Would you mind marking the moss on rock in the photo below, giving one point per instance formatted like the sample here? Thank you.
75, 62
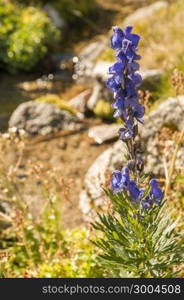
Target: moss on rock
104, 110
56, 100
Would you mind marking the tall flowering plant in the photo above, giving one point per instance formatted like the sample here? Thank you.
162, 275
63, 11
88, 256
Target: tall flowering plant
139, 235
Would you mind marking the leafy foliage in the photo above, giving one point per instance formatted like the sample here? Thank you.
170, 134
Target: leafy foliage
142, 243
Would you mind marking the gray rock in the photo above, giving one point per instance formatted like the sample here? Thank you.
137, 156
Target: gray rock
109, 160
99, 92
93, 50
145, 12
93, 196
42, 118
100, 75
80, 101
87, 59
95, 96
170, 113
104, 133
150, 74
101, 69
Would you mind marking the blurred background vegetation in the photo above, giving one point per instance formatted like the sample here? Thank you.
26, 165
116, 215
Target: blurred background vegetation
27, 33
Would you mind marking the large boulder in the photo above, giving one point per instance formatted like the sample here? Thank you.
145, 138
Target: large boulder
104, 133
93, 196
79, 102
168, 114
86, 61
39, 118
145, 12
100, 74
99, 92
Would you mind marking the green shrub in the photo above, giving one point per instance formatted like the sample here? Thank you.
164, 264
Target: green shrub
104, 110
25, 35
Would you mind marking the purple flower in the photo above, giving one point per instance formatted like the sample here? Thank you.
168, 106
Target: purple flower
156, 193
125, 134
120, 180
145, 204
134, 38
128, 29
133, 67
116, 38
114, 83
119, 104
138, 111
117, 68
130, 87
137, 79
121, 56
135, 192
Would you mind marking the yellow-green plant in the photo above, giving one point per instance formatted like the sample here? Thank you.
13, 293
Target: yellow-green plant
104, 110
26, 33
54, 99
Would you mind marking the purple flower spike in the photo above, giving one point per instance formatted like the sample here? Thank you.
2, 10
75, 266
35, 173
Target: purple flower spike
124, 83
125, 79
138, 111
